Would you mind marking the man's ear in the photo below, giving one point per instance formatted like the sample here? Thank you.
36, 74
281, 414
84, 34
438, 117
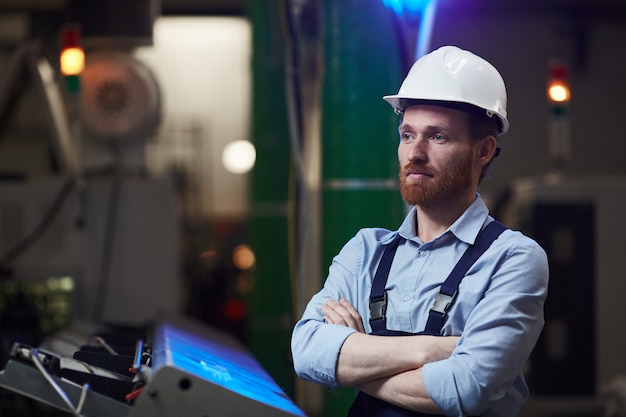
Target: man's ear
487, 149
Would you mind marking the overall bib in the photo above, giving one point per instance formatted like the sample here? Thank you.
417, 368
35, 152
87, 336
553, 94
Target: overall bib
365, 405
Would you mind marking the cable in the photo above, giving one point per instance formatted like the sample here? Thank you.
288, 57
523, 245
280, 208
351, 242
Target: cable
34, 355
109, 238
70, 184
106, 346
23, 245
81, 400
89, 368
292, 14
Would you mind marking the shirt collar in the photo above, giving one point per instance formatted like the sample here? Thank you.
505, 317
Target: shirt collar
465, 228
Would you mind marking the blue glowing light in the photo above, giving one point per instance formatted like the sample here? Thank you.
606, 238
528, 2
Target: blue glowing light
217, 363
402, 7
425, 9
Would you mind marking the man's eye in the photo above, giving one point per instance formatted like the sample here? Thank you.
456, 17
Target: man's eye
438, 137
406, 137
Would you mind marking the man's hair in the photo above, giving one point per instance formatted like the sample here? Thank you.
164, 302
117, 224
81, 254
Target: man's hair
479, 123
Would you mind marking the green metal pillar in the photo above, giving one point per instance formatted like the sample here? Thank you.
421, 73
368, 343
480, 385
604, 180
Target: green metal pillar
270, 304
359, 132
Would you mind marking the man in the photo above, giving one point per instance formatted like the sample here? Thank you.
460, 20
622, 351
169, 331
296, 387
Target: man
467, 359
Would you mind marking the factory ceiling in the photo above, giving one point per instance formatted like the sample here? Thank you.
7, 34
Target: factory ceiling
205, 7
597, 8
41, 18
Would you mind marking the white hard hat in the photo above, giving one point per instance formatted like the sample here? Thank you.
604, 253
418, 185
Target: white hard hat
456, 75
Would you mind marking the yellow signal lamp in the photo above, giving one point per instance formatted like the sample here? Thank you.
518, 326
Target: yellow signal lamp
72, 57
558, 85
72, 61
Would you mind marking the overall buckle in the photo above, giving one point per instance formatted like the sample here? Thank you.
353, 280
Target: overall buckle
442, 303
378, 308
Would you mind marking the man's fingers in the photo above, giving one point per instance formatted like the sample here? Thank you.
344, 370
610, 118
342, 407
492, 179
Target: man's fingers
335, 314
331, 316
342, 313
353, 313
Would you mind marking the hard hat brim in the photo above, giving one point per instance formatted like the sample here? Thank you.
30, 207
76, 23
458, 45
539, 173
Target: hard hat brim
398, 103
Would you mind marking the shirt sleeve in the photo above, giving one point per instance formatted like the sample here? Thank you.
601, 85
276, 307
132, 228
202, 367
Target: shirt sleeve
315, 344
499, 334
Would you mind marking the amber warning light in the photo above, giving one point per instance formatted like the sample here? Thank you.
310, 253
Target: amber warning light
72, 59
558, 85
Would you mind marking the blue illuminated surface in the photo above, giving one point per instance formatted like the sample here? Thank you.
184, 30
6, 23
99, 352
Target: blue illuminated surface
408, 9
230, 368
406, 6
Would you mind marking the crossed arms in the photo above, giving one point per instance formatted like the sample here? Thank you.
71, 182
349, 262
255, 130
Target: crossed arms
499, 312
386, 367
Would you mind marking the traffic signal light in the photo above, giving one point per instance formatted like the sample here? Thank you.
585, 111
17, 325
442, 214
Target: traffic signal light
72, 56
558, 83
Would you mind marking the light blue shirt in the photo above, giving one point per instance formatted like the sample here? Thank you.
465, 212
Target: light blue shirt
498, 311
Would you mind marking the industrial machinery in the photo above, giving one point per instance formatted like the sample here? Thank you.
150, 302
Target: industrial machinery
177, 368
94, 216
576, 220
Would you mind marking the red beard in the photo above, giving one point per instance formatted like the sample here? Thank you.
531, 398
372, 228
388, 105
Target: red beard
443, 186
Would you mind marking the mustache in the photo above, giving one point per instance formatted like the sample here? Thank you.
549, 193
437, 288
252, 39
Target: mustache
412, 167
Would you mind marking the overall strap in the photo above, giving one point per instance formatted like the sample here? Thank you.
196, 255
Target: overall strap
447, 292
449, 289
378, 295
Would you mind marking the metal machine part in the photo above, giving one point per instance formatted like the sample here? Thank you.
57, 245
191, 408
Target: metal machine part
120, 99
185, 369
37, 375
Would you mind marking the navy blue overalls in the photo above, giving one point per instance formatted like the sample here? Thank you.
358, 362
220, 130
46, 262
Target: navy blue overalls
367, 406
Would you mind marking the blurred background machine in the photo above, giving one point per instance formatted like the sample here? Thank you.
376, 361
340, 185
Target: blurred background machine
89, 239
576, 221
93, 217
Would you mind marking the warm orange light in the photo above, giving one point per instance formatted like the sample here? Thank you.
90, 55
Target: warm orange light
558, 82
72, 61
243, 257
558, 92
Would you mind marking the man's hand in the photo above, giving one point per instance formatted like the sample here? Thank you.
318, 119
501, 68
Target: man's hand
365, 358
343, 313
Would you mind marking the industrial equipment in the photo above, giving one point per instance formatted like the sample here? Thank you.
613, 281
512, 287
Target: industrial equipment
176, 368
576, 220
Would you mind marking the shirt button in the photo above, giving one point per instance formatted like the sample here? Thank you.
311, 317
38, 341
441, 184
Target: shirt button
421, 253
406, 297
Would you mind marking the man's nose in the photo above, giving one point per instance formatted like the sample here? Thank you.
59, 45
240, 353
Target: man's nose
418, 150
